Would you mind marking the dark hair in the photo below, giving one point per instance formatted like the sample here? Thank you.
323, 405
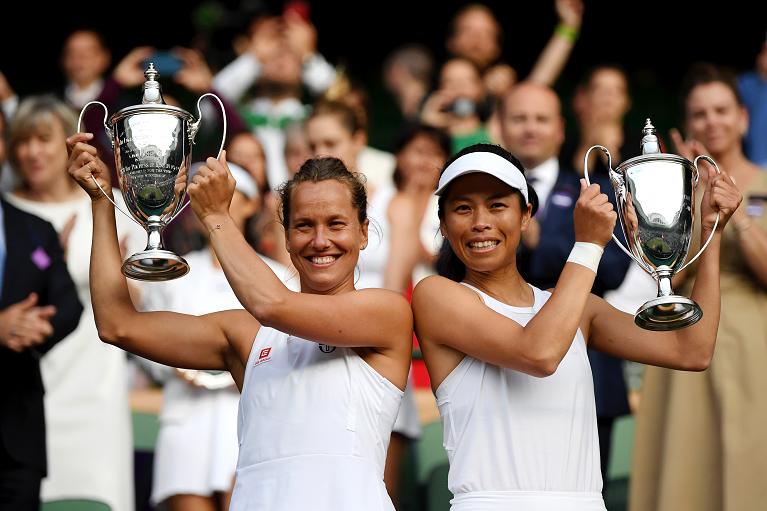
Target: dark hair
448, 264
585, 81
410, 132
453, 26
703, 73
349, 118
325, 168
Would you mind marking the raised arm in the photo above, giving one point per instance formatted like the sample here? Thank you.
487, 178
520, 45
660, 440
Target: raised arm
615, 333
554, 56
179, 340
373, 318
405, 246
451, 315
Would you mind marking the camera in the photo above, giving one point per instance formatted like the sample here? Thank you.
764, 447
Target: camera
166, 63
461, 107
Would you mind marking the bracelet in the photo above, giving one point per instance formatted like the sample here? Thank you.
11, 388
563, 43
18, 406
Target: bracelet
586, 254
568, 32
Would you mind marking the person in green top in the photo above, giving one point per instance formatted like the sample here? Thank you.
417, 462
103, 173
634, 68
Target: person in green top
459, 103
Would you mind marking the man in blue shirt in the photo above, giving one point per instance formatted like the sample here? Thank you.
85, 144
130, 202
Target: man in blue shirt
753, 89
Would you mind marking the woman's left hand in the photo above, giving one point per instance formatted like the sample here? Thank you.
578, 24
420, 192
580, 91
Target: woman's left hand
721, 196
211, 190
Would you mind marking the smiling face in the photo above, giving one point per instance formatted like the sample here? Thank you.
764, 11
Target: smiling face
715, 118
324, 236
483, 220
40, 155
84, 57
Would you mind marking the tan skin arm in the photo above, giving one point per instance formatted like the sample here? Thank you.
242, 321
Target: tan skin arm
215, 341
614, 332
554, 56
386, 331
451, 320
405, 244
752, 240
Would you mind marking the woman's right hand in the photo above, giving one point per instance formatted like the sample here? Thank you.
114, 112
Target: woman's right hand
594, 216
84, 164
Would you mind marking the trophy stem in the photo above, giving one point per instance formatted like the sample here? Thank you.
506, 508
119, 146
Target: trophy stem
155, 264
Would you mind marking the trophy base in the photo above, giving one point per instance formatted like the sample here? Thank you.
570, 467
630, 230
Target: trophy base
668, 313
155, 266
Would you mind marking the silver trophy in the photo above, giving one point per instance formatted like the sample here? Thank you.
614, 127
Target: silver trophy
656, 206
152, 143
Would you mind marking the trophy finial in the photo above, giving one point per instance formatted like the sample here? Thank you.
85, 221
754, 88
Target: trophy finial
152, 94
649, 144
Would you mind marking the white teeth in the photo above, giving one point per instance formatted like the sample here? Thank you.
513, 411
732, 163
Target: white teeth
483, 244
323, 260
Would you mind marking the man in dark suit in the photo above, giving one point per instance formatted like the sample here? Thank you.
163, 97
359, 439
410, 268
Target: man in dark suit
533, 130
38, 308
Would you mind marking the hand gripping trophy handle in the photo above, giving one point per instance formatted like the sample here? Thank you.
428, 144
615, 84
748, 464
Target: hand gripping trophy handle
615, 175
111, 139
193, 131
716, 222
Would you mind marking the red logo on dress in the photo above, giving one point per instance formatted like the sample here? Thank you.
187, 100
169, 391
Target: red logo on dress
264, 353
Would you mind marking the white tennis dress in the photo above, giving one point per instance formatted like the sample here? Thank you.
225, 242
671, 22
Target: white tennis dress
314, 426
195, 416
519, 442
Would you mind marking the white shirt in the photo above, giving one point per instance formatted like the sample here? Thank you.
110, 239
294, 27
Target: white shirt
545, 176
79, 97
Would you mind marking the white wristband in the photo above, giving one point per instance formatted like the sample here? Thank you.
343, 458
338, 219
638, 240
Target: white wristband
586, 254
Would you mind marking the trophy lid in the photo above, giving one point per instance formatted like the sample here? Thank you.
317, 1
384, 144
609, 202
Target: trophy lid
152, 91
152, 100
650, 143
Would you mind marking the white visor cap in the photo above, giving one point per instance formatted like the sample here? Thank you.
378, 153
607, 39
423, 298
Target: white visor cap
488, 163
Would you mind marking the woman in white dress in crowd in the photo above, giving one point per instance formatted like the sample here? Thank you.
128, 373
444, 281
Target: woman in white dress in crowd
195, 411
321, 371
87, 414
508, 361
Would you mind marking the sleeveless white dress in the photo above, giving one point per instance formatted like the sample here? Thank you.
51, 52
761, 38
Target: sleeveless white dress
516, 441
314, 426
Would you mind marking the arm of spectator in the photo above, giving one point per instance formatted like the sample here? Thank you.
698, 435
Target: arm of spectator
196, 76
238, 76
556, 53
433, 111
235, 78
9, 101
405, 249
318, 75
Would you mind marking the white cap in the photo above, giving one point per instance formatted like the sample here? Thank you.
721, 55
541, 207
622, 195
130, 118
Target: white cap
488, 163
245, 182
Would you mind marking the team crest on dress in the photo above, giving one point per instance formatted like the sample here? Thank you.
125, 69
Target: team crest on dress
327, 349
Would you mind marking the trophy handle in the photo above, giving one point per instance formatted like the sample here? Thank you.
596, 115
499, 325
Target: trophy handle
111, 140
588, 182
716, 222
193, 132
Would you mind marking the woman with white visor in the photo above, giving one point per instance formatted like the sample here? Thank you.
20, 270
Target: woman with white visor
508, 361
